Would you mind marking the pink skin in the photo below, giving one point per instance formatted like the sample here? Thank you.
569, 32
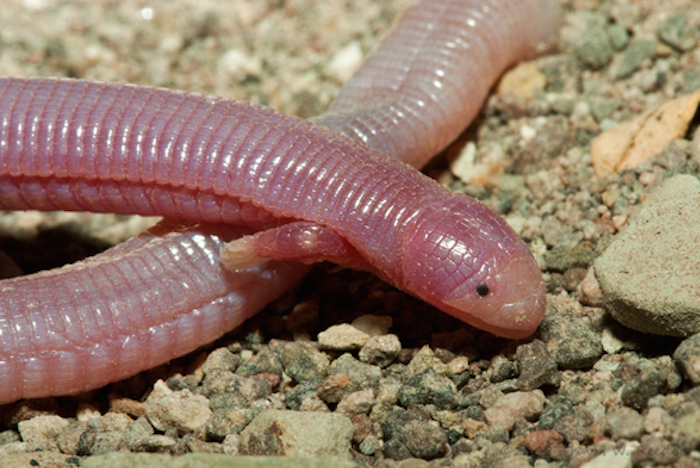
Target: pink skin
74, 328
83, 146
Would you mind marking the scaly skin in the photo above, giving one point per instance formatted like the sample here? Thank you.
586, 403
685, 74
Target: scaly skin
76, 145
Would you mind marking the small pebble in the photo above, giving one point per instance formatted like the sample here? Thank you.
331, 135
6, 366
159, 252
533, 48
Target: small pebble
687, 430
294, 433
423, 440
356, 403
373, 325
637, 392
558, 408
263, 362
513, 406
42, 431
624, 423
676, 33
574, 427
336, 386
687, 356
181, 410
657, 421
590, 40
537, 368
344, 63
619, 458
570, 340
370, 445
429, 388
539, 442
305, 363
395, 450
426, 359
137, 434
221, 358
366, 375
380, 350
343, 337
458, 365
110, 422
128, 406
632, 58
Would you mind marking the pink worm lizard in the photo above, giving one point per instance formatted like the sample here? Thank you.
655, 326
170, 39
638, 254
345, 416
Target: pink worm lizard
302, 192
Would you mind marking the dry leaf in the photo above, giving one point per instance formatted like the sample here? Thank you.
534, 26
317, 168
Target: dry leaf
631, 143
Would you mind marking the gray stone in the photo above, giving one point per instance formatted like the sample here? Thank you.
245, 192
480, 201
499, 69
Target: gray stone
182, 410
224, 384
687, 431
136, 433
537, 368
94, 443
30, 459
574, 427
589, 40
658, 450
222, 424
570, 341
395, 450
618, 36
565, 258
396, 419
687, 356
380, 350
221, 358
557, 409
304, 364
42, 431
69, 439
423, 440
294, 397
356, 403
503, 369
429, 388
343, 337
155, 443
150, 460
370, 445
649, 274
294, 433
632, 58
364, 374
649, 383
676, 33
513, 406
263, 362
624, 423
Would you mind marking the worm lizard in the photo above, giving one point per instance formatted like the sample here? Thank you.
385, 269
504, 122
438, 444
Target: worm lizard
262, 187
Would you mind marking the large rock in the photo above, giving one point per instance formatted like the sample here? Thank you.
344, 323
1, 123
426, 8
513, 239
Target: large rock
650, 274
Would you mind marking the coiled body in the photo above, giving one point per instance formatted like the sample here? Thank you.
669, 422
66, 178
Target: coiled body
86, 146
101, 320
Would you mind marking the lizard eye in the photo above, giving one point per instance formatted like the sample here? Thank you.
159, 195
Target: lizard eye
464, 259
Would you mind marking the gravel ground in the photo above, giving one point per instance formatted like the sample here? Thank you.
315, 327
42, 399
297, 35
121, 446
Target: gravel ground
405, 385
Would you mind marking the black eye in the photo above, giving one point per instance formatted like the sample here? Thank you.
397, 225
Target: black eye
482, 290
